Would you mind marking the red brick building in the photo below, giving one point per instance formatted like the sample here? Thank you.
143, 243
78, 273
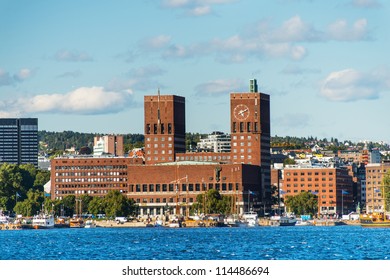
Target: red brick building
165, 127
169, 176
333, 186
374, 186
87, 175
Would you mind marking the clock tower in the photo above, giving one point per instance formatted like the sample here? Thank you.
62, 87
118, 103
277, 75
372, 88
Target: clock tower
251, 130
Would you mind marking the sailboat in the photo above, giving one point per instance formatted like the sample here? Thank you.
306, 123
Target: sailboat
77, 221
376, 219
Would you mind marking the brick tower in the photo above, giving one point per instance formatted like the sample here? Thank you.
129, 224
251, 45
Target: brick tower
250, 132
164, 127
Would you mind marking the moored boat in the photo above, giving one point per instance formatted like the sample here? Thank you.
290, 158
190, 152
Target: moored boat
90, 224
61, 222
250, 219
374, 220
283, 221
43, 221
76, 222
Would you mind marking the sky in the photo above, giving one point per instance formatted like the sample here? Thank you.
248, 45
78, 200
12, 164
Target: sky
86, 65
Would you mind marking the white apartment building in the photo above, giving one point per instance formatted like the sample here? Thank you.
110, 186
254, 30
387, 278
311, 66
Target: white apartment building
217, 142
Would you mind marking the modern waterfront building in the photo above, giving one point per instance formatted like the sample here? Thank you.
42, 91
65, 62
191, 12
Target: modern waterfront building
217, 142
19, 141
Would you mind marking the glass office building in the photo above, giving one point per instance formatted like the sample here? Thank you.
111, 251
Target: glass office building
19, 141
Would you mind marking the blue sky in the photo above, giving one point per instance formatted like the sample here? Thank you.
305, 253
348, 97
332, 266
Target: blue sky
86, 65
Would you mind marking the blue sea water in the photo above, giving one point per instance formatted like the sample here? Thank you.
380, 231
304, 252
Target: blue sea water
260, 243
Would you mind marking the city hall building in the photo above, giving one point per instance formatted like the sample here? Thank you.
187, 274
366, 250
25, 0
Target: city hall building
171, 178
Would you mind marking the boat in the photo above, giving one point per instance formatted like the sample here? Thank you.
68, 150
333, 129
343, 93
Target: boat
61, 222
374, 220
283, 221
76, 222
6, 223
232, 221
43, 221
250, 219
90, 224
301, 222
175, 222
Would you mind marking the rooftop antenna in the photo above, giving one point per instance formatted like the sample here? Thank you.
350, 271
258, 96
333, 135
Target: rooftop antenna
158, 107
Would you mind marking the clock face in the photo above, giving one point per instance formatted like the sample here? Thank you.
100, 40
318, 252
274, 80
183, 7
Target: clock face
241, 112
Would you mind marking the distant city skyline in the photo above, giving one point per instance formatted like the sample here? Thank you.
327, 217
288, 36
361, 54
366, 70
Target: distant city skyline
86, 66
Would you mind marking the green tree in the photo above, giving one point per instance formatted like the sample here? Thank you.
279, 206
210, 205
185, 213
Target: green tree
96, 206
116, 204
31, 205
69, 203
303, 203
10, 185
288, 161
212, 202
386, 190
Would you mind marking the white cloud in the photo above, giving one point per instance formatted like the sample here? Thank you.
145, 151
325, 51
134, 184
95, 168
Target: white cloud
289, 40
157, 42
194, 7
294, 30
23, 74
83, 101
352, 85
218, 87
341, 31
142, 78
72, 56
6, 79
201, 11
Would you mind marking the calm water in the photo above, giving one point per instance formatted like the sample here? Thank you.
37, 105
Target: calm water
261, 243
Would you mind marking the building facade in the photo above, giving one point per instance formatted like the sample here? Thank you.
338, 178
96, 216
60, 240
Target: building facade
88, 175
176, 185
251, 133
374, 186
108, 144
19, 141
164, 127
217, 142
333, 186
167, 176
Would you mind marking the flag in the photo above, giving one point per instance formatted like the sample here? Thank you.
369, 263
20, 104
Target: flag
282, 192
313, 192
377, 190
344, 192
